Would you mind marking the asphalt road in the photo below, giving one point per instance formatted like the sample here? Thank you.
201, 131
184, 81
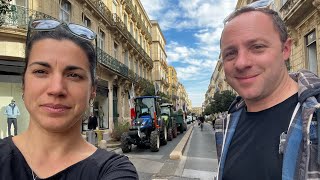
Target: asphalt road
199, 159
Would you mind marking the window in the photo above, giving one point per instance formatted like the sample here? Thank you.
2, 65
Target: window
130, 63
126, 58
101, 39
136, 34
86, 21
283, 2
65, 11
312, 52
115, 50
136, 67
140, 40
140, 70
125, 19
131, 28
114, 6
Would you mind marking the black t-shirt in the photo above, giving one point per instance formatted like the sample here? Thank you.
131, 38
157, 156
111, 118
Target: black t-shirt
101, 164
254, 150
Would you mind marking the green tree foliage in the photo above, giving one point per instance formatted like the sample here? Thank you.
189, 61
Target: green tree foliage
220, 102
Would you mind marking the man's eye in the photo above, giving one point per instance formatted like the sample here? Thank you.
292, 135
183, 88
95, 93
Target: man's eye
229, 55
258, 47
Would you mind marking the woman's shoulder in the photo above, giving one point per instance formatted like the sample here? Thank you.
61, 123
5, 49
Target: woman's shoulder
113, 165
6, 148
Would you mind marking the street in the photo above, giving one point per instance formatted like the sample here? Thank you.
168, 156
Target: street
199, 159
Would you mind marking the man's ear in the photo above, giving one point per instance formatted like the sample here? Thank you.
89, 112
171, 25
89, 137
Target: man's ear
286, 50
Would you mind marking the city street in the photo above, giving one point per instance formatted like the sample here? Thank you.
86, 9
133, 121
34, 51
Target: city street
199, 159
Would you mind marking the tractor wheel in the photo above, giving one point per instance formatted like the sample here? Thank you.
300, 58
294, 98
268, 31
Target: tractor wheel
174, 130
170, 135
125, 145
181, 129
164, 138
154, 141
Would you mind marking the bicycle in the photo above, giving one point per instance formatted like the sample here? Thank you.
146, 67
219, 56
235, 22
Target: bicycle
201, 126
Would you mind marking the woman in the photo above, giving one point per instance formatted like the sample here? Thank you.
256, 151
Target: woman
58, 86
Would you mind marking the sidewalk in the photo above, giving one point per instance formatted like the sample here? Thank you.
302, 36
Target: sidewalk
200, 157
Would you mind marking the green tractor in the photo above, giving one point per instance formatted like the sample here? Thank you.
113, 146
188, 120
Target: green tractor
169, 119
180, 122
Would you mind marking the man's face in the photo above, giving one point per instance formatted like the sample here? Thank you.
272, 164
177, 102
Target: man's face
253, 55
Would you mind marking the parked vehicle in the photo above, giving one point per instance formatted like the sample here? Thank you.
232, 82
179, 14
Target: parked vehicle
180, 122
147, 129
169, 119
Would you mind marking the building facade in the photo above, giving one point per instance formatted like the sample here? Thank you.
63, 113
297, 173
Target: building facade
123, 44
159, 57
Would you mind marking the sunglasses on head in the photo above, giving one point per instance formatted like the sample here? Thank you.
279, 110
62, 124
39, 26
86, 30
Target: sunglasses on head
260, 4
50, 24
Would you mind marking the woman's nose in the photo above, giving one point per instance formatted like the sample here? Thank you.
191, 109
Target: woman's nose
57, 86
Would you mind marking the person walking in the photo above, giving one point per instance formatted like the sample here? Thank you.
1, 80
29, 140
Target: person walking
59, 85
271, 130
12, 112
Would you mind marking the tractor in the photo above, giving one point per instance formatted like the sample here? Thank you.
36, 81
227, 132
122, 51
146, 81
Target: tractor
169, 119
180, 122
147, 128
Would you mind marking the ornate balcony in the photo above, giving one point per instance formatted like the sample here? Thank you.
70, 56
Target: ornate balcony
18, 17
101, 9
294, 11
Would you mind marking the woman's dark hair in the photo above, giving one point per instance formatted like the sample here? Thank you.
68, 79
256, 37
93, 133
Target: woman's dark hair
60, 33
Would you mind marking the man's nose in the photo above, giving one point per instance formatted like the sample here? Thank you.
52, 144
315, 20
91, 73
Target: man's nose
243, 60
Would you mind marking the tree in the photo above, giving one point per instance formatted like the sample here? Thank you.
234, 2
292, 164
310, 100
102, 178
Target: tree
220, 102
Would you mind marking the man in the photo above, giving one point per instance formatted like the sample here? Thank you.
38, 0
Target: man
12, 111
92, 122
267, 132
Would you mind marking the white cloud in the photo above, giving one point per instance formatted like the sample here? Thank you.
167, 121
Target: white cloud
194, 62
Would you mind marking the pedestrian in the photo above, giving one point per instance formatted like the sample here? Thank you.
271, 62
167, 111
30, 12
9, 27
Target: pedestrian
271, 127
92, 122
12, 112
59, 83
101, 115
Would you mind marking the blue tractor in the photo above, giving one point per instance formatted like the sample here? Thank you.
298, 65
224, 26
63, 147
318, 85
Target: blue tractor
147, 128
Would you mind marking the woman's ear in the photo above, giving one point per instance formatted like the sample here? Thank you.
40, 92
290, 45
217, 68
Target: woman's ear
93, 93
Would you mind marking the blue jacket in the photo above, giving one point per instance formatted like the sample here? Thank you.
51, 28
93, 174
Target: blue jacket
300, 145
12, 112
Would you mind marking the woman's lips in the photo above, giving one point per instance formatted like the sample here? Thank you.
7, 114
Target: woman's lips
55, 108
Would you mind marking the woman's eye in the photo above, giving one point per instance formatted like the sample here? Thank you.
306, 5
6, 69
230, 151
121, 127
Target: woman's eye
39, 72
75, 75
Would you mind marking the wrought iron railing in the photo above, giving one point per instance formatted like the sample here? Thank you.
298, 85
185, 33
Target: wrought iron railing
120, 25
18, 17
103, 9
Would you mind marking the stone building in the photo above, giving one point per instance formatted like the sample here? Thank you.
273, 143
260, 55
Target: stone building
124, 51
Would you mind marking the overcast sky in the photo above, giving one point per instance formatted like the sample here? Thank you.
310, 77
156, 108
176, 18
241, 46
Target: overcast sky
192, 29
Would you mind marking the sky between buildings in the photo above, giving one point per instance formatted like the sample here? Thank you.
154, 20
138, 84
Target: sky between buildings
192, 29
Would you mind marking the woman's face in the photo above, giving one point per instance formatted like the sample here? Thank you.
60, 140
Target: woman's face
57, 84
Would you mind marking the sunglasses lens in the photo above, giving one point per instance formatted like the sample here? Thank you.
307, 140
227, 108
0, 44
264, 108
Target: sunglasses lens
260, 4
82, 31
44, 24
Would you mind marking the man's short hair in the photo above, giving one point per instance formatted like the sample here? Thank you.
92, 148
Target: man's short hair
276, 19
